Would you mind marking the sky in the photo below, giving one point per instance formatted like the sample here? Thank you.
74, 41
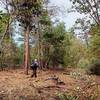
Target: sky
68, 18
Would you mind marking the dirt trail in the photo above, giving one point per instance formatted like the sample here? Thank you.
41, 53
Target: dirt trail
14, 85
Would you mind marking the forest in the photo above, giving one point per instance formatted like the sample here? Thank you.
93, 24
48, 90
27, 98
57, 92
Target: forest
67, 56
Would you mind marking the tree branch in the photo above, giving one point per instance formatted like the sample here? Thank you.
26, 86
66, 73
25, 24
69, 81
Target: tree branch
90, 13
97, 10
92, 10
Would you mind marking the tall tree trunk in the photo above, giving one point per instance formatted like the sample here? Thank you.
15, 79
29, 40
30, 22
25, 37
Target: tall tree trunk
40, 64
26, 50
39, 46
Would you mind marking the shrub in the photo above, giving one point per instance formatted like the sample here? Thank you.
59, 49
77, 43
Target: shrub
83, 63
67, 96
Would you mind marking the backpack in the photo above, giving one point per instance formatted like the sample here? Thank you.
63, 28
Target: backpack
34, 65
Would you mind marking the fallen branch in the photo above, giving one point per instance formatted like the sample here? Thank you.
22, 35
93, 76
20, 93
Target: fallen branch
56, 79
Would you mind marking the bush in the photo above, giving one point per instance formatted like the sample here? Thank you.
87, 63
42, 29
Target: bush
67, 96
83, 63
94, 67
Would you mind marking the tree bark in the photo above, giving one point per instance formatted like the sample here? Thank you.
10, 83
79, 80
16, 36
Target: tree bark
26, 50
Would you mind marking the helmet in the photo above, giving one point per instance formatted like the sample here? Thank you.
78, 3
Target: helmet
35, 60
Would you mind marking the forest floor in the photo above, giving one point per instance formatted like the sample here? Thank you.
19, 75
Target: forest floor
49, 85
